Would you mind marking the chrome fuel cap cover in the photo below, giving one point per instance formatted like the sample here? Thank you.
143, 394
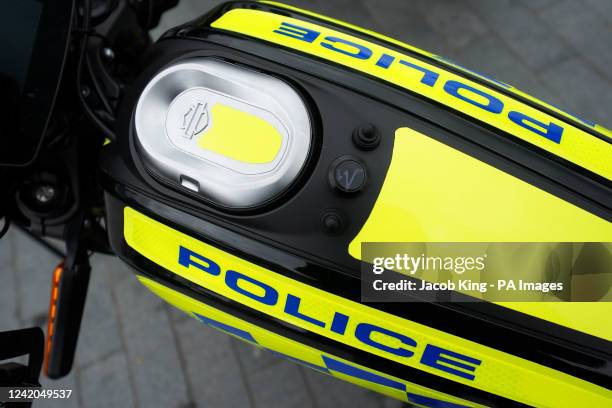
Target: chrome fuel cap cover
234, 136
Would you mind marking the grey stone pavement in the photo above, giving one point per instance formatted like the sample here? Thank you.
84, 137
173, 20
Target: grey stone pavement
135, 350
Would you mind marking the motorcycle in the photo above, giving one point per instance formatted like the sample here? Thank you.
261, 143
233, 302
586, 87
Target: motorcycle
247, 164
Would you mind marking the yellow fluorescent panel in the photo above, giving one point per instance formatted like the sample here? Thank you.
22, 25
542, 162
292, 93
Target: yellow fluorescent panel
604, 131
294, 349
240, 136
499, 373
434, 193
576, 146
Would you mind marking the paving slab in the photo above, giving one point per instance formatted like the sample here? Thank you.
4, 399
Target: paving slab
484, 56
67, 383
282, 386
404, 21
253, 358
528, 37
453, 21
33, 267
100, 335
587, 95
330, 392
212, 368
585, 30
151, 347
9, 314
602, 7
538, 4
107, 383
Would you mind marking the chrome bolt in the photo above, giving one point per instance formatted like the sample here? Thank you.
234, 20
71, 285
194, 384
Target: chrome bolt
44, 193
108, 53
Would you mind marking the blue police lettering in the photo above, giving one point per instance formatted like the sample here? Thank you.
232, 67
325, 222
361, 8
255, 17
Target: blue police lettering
429, 77
270, 296
433, 356
504, 85
359, 52
186, 258
339, 323
494, 105
550, 131
385, 61
364, 333
292, 307
300, 33
405, 347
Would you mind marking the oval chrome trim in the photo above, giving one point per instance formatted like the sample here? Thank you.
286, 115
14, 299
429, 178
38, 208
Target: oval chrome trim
165, 139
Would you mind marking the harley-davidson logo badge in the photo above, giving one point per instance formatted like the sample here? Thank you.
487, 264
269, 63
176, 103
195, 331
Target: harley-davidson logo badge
195, 120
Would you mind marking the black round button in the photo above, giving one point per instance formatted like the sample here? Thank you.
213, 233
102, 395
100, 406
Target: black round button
348, 174
333, 222
366, 137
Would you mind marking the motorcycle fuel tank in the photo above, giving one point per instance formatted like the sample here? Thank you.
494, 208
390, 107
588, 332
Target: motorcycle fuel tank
264, 146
